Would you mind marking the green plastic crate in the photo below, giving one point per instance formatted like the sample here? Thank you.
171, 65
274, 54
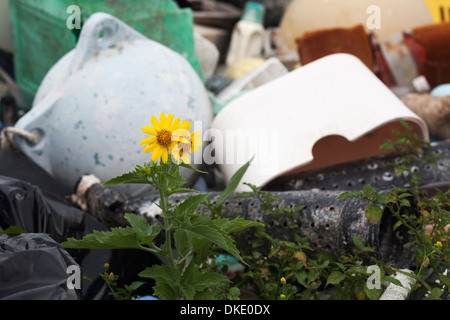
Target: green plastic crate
41, 36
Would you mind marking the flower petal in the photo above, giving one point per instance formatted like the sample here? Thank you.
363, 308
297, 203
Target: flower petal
169, 120
148, 140
186, 125
175, 125
149, 130
185, 158
150, 148
155, 123
157, 153
164, 155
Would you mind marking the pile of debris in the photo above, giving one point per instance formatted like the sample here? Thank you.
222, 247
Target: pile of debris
308, 90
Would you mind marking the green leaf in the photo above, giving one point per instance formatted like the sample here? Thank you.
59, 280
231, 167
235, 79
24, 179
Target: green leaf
132, 237
436, 293
182, 242
313, 274
131, 177
393, 281
405, 203
374, 213
335, 278
164, 292
396, 225
12, 231
185, 165
117, 238
384, 198
373, 294
169, 176
357, 241
190, 205
239, 224
144, 231
198, 280
134, 286
162, 273
231, 186
203, 227
368, 190
350, 194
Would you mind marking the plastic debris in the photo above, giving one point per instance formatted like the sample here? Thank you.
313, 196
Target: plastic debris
160, 20
247, 39
35, 267
331, 111
434, 110
313, 45
377, 171
435, 61
384, 18
78, 134
395, 292
49, 222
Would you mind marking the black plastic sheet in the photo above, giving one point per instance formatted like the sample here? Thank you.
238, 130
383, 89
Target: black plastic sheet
34, 267
377, 171
48, 223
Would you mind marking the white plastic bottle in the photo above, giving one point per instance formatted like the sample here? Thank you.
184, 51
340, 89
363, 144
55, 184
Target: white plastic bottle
247, 38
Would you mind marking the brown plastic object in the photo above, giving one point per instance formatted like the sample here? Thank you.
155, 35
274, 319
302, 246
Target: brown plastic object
317, 44
434, 39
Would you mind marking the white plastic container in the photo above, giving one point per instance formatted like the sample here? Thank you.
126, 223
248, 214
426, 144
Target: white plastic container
247, 39
90, 107
331, 111
271, 69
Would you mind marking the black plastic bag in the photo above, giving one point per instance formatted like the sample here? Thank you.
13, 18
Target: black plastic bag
34, 267
50, 222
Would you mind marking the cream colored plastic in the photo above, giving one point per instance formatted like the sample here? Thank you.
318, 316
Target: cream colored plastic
330, 111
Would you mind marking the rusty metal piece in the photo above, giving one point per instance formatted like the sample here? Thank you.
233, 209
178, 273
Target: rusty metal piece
313, 45
433, 41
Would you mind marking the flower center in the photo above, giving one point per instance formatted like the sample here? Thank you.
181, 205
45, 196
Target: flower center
164, 138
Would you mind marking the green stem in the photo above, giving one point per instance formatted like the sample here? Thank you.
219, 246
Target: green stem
280, 273
164, 204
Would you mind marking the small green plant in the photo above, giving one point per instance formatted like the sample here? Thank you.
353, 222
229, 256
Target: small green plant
285, 268
428, 220
413, 158
292, 269
190, 237
125, 293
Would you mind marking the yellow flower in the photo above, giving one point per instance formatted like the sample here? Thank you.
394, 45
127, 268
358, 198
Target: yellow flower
106, 265
438, 244
283, 280
282, 296
186, 142
161, 141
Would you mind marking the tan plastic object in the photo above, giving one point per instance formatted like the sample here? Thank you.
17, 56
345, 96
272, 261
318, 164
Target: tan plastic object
306, 15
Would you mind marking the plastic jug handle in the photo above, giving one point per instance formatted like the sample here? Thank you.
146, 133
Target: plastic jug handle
36, 123
90, 42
